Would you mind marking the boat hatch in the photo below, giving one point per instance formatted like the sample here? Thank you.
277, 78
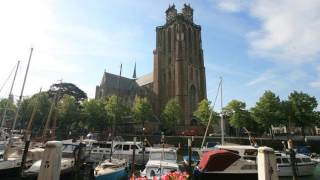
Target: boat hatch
159, 156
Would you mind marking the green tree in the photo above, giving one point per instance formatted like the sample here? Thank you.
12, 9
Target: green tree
267, 110
10, 108
141, 109
93, 115
42, 103
203, 112
171, 114
115, 109
303, 109
317, 114
238, 116
68, 114
67, 89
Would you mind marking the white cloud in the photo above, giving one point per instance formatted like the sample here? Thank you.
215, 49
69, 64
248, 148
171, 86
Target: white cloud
265, 76
59, 48
232, 5
315, 84
289, 31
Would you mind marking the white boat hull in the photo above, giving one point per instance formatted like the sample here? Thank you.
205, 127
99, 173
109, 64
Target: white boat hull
302, 170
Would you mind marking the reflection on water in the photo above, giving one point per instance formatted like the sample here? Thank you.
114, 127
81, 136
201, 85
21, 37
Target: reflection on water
315, 176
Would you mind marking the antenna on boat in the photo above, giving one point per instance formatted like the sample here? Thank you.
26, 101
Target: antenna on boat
222, 121
6, 153
21, 93
10, 93
211, 114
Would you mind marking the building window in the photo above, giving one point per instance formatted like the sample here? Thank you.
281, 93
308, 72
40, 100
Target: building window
192, 98
169, 61
197, 74
191, 74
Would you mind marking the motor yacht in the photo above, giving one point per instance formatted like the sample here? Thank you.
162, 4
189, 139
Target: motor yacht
225, 164
161, 161
303, 164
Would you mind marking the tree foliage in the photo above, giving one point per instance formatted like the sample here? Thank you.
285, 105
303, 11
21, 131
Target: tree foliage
42, 103
303, 108
239, 117
70, 89
142, 109
94, 115
10, 110
68, 113
267, 110
171, 114
203, 112
115, 109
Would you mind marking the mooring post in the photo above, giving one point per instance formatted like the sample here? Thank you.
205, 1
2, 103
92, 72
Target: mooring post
267, 167
162, 139
189, 153
133, 156
292, 159
143, 144
51, 161
25, 152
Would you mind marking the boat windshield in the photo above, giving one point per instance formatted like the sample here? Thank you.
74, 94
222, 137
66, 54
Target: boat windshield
157, 171
1, 147
306, 159
68, 147
159, 156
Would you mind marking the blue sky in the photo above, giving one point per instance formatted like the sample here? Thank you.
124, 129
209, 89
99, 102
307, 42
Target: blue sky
254, 45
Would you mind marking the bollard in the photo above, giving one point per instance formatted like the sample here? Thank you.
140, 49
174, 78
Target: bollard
189, 155
267, 167
51, 161
133, 156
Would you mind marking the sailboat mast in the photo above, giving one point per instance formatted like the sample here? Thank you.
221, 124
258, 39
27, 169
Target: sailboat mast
21, 94
6, 107
222, 121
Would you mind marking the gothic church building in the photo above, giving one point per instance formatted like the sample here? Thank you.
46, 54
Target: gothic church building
178, 70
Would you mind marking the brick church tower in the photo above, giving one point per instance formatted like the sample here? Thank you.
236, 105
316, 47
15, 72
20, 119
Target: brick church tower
178, 63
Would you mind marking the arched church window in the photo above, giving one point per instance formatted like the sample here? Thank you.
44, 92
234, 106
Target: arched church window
197, 74
191, 74
183, 31
169, 74
192, 98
